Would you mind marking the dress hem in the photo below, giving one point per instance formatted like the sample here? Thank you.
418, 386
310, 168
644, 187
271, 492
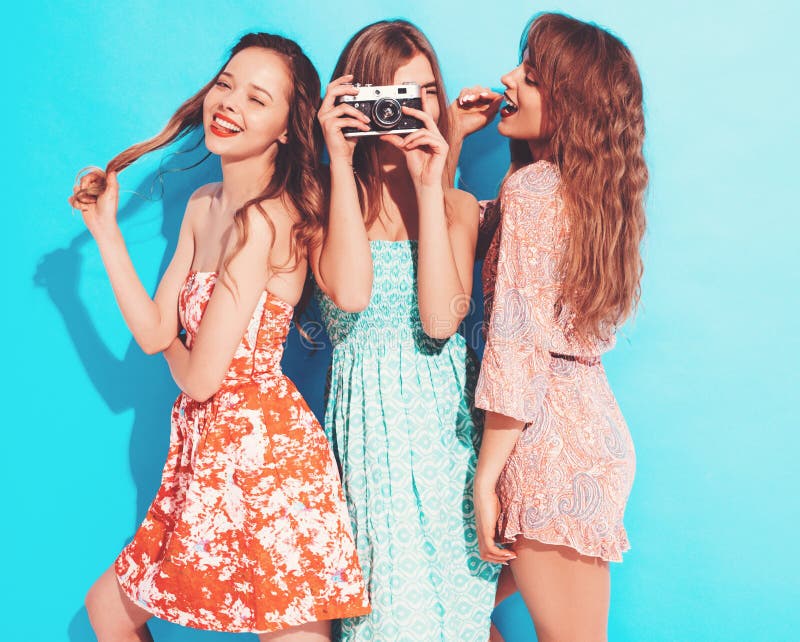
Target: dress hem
512, 537
320, 615
609, 550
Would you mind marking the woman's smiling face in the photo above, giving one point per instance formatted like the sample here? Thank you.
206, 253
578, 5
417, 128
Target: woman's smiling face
246, 112
523, 116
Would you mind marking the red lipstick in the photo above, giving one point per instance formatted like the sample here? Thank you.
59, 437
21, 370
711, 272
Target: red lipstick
223, 126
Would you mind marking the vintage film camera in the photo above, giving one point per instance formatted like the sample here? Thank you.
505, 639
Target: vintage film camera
382, 103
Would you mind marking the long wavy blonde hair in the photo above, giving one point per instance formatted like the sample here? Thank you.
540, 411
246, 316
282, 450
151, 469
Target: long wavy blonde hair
592, 95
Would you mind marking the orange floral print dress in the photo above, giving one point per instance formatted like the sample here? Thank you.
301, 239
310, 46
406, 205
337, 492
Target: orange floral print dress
249, 530
568, 478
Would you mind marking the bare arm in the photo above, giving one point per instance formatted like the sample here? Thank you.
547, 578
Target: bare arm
199, 372
446, 248
153, 322
474, 108
446, 258
342, 262
500, 434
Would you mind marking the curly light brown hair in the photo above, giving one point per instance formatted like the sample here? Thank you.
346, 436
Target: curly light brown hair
592, 94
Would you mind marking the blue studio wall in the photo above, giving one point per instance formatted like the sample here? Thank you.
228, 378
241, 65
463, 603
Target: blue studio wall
706, 375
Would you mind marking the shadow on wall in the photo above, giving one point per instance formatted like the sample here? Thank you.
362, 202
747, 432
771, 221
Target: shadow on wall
59, 273
482, 167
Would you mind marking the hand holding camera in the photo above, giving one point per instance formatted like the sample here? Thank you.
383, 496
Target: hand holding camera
395, 113
425, 149
335, 116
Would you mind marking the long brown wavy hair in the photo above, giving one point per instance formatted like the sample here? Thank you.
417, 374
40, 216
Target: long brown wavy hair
297, 165
592, 95
373, 55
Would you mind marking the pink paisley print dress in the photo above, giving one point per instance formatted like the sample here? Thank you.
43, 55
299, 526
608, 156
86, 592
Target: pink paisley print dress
568, 478
249, 530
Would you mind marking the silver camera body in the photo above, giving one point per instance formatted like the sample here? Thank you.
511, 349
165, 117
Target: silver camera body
383, 104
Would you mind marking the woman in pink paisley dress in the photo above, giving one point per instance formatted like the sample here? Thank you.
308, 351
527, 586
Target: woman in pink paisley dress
562, 272
249, 531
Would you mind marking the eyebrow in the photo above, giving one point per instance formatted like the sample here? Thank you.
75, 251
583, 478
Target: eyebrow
256, 87
432, 83
261, 89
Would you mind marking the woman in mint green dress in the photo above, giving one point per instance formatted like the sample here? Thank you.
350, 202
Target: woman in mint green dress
394, 277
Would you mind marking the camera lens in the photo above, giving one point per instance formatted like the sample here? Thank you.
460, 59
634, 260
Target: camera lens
386, 112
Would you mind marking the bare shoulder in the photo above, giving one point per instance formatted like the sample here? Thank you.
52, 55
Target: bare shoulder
260, 220
459, 198
462, 207
203, 194
280, 211
200, 200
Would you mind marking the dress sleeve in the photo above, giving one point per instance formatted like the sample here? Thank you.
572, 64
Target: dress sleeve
489, 220
524, 331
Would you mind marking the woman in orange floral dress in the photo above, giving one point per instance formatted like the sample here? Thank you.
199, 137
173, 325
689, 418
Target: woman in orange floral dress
561, 273
249, 530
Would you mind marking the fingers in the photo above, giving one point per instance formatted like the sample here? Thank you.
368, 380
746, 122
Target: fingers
423, 138
475, 96
76, 204
79, 199
88, 185
343, 109
424, 116
419, 138
475, 89
342, 86
491, 552
109, 197
89, 179
415, 136
341, 123
393, 139
488, 548
343, 115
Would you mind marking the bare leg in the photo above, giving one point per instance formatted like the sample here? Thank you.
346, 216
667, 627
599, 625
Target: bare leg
311, 632
506, 587
114, 617
567, 594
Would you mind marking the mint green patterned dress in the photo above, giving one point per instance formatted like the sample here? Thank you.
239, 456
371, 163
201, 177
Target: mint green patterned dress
400, 417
